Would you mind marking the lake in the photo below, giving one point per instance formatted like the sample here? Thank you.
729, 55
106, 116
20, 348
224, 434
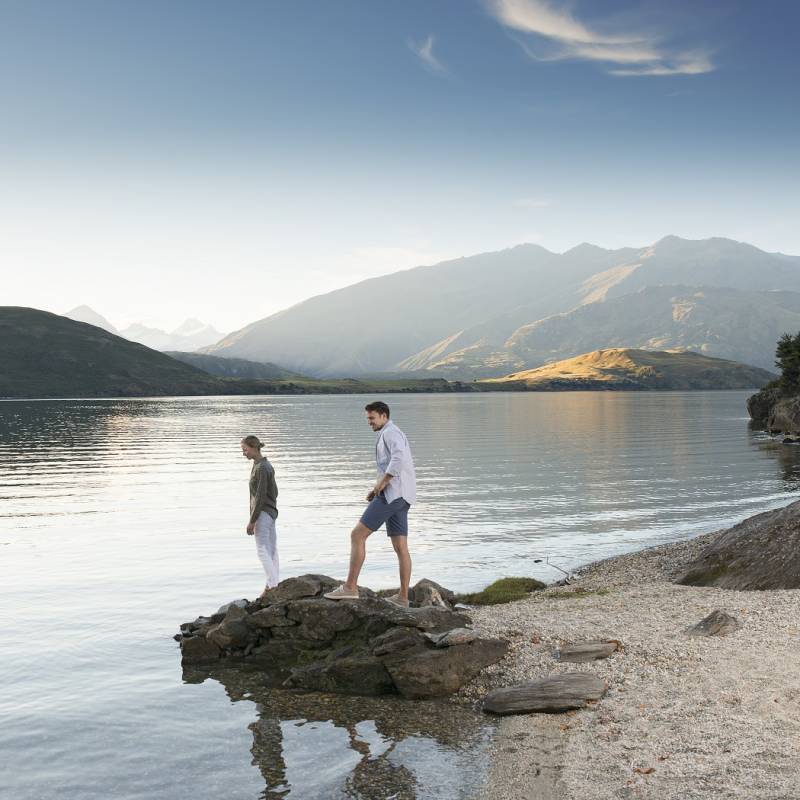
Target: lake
120, 519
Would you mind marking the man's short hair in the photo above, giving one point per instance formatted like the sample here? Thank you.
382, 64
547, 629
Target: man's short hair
379, 407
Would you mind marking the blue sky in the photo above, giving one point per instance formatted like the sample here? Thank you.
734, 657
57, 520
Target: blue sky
227, 159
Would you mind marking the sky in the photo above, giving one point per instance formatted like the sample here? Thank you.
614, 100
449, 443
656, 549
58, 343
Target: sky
225, 160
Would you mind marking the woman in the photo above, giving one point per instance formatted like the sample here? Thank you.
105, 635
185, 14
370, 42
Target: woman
263, 508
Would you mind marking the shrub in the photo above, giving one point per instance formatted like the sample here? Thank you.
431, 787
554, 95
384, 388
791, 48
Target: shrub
787, 359
505, 590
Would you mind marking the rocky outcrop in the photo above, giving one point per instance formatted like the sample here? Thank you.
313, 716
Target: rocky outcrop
367, 646
775, 410
784, 416
763, 552
760, 405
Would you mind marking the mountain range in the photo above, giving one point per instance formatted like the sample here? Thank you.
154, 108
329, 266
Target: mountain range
190, 335
491, 314
47, 355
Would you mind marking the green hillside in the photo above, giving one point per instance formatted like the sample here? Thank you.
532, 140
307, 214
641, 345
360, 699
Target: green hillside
628, 368
234, 367
46, 355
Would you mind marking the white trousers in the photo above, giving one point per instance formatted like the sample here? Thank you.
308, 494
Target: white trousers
267, 547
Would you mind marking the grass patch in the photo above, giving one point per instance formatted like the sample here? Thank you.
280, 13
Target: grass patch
574, 594
506, 590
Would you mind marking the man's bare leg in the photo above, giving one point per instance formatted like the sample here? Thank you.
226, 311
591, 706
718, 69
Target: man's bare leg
400, 544
358, 552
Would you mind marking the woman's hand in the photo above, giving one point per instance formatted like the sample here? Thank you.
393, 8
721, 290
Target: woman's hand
251, 528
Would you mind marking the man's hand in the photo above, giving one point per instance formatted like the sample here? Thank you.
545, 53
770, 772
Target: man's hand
251, 528
379, 486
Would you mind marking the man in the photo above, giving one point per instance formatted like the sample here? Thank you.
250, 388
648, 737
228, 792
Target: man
389, 501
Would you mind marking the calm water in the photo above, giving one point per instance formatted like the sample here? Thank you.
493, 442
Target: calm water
120, 519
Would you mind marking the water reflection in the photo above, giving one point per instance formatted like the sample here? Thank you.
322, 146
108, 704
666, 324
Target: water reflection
362, 748
787, 455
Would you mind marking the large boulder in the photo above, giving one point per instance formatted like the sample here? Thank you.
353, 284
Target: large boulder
366, 646
763, 552
426, 672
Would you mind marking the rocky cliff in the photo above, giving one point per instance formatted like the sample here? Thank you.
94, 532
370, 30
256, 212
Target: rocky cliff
775, 409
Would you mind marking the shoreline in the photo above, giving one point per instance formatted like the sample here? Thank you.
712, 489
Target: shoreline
684, 717
453, 387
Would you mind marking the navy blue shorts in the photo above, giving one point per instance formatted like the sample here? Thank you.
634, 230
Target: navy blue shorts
394, 514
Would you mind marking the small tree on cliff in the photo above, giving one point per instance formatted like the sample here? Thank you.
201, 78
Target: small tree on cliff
787, 358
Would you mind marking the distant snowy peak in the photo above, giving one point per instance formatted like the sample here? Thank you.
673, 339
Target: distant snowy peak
91, 317
194, 326
189, 336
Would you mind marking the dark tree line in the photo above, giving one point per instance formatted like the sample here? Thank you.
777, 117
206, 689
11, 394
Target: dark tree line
787, 359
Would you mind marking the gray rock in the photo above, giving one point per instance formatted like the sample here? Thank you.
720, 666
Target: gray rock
379, 615
763, 552
394, 640
424, 672
200, 626
551, 695
361, 675
283, 654
271, 617
321, 620
233, 631
238, 603
431, 618
295, 588
717, 623
582, 652
453, 637
429, 593
198, 650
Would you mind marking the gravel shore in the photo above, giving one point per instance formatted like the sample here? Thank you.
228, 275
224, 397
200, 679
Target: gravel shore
684, 717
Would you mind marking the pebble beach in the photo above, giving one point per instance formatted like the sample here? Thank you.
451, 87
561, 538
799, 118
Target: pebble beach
684, 717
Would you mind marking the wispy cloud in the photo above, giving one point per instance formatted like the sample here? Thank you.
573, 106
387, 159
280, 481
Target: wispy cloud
424, 50
532, 202
557, 35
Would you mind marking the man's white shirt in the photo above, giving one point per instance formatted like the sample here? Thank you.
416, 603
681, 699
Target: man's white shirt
393, 456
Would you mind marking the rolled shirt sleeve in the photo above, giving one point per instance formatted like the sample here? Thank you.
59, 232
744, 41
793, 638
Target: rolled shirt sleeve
398, 452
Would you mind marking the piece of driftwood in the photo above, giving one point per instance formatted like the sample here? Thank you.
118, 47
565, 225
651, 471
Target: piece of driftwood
550, 695
580, 652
